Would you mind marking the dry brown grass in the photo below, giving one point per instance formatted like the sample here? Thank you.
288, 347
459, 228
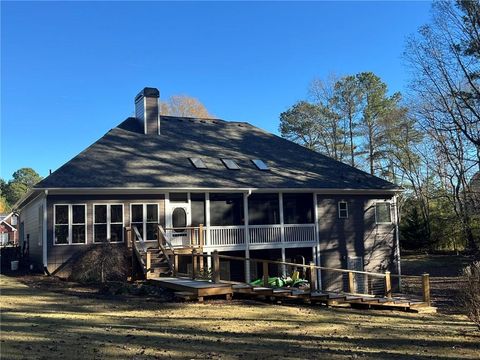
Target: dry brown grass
37, 324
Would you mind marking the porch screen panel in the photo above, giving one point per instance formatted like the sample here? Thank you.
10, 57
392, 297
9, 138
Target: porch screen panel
263, 209
198, 209
226, 209
298, 208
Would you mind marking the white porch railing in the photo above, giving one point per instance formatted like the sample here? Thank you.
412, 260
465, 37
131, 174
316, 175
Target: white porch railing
299, 233
235, 235
226, 235
260, 234
265, 234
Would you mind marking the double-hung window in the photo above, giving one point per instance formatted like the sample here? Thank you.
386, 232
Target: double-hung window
342, 210
383, 213
145, 218
107, 223
70, 224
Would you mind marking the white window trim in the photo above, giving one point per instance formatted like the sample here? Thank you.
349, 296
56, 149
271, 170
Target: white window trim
390, 208
109, 222
340, 210
144, 223
70, 223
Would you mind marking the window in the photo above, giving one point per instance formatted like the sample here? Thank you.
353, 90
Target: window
230, 164
342, 210
70, 225
298, 208
198, 163
260, 164
383, 213
179, 219
108, 223
145, 218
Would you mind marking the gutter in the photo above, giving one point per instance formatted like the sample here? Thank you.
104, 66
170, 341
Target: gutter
156, 190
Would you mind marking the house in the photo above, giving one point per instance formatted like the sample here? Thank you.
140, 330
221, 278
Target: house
250, 193
8, 229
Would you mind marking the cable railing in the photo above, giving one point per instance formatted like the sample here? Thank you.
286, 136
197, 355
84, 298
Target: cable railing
318, 278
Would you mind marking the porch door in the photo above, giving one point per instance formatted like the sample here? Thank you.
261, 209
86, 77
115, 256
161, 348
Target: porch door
180, 219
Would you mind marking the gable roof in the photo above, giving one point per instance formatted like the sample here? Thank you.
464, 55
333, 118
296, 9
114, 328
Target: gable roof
4, 218
126, 158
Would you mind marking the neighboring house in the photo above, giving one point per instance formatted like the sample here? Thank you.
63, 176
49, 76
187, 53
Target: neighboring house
257, 195
8, 229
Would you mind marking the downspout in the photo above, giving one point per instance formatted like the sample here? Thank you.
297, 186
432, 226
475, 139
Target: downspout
397, 240
44, 235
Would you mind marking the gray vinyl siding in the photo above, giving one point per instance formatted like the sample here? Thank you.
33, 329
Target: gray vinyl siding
358, 235
32, 218
59, 255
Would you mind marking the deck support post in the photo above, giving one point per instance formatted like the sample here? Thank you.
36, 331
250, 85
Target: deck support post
128, 239
388, 285
312, 277
426, 289
175, 265
149, 263
351, 284
265, 273
216, 267
200, 236
194, 263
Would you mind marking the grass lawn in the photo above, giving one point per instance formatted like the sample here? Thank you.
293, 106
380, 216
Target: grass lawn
39, 324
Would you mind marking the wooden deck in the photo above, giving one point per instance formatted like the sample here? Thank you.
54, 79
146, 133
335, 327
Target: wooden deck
188, 289
193, 289
400, 302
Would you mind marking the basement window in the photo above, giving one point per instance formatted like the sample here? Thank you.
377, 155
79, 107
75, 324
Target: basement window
230, 164
198, 163
260, 164
342, 210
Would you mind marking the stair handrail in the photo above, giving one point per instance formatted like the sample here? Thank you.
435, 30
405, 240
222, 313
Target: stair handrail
161, 231
136, 249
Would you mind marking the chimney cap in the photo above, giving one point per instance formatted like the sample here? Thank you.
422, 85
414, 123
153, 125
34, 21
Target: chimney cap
148, 92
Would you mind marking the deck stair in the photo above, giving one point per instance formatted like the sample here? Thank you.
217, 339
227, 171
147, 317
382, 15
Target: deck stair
334, 299
160, 266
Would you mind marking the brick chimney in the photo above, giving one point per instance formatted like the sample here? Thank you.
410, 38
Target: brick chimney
147, 110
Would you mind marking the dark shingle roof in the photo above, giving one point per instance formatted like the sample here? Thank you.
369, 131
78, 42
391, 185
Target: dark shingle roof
126, 158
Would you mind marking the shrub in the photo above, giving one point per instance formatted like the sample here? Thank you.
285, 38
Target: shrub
470, 292
100, 263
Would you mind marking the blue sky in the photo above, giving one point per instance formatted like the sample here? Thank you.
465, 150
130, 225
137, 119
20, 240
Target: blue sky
70, 70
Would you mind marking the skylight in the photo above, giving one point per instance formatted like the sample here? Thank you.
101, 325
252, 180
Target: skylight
230, 164
198, 163
260, 164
